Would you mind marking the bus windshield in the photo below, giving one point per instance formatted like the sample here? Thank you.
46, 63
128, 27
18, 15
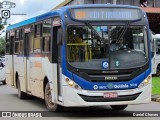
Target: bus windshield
107, 47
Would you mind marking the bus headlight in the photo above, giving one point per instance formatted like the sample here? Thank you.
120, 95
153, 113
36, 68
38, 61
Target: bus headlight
71, 83
145, 82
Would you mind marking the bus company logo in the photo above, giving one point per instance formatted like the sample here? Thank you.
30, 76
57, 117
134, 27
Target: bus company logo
95, 87
121, 86
111, 78
105, 64
110, 85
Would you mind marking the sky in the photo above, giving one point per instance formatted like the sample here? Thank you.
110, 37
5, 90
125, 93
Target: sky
31, 8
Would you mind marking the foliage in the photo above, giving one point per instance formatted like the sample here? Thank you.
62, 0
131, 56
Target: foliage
1, 26
156, 85
2, 45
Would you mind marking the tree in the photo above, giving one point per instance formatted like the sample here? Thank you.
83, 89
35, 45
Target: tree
2, 40
2, 46
1, 26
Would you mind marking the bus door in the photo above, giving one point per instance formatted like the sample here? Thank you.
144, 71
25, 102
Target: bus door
27, 38
9, 67
57, 44
59, 67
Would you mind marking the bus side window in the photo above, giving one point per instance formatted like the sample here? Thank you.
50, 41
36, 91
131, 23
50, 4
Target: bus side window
12, 39
46, 44
21, 41
7, 43
37, 35
57, 42
46, 40
158, 46
31, 39
17, 42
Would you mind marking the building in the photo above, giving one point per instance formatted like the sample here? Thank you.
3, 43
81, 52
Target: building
152, 9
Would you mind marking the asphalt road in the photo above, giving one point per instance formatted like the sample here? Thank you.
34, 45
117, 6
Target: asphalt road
9, 101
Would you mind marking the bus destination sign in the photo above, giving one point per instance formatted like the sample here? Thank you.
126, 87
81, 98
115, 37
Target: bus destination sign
103, 14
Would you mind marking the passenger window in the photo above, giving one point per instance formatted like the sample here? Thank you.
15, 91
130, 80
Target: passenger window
46, 44
17, 48
21, 40
46, 41
158, 47
17, 42
8, 43
31, 43
47, 27
38, 34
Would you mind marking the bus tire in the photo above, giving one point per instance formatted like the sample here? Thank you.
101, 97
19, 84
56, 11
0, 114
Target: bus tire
158, 70
4, 82
118, 107
48, 101
21, 95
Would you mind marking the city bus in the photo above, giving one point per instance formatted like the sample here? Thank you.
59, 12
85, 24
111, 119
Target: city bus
79, 56
156, 54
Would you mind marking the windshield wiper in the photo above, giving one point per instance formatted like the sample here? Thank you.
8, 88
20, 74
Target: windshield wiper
119, 40
91, 27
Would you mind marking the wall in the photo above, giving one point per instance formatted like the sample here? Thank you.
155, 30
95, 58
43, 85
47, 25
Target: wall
151, 3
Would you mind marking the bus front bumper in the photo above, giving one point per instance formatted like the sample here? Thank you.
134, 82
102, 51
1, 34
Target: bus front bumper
79, 98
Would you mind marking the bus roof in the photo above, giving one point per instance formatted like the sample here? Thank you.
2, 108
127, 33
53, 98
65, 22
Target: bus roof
60, 11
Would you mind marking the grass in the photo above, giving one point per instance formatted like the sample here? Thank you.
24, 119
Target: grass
156, 85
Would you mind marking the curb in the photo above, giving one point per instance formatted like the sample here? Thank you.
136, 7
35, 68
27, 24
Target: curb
155, 98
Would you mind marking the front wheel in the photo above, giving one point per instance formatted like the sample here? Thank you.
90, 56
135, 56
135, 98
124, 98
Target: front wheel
48, 100
118, 107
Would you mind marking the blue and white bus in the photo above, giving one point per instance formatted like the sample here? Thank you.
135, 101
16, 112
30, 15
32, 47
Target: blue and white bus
88, 55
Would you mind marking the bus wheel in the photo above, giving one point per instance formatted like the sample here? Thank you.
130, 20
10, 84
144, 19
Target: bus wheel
158, 70
48, 100
4, 82
118, 107
21, 95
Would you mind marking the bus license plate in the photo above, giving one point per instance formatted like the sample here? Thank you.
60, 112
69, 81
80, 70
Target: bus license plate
110, 95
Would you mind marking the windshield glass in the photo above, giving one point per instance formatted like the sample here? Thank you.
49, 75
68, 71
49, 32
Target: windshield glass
106, 47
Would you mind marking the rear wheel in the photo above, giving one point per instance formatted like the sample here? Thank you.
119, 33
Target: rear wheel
21, 95
4, 82
48, 100
118, 107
